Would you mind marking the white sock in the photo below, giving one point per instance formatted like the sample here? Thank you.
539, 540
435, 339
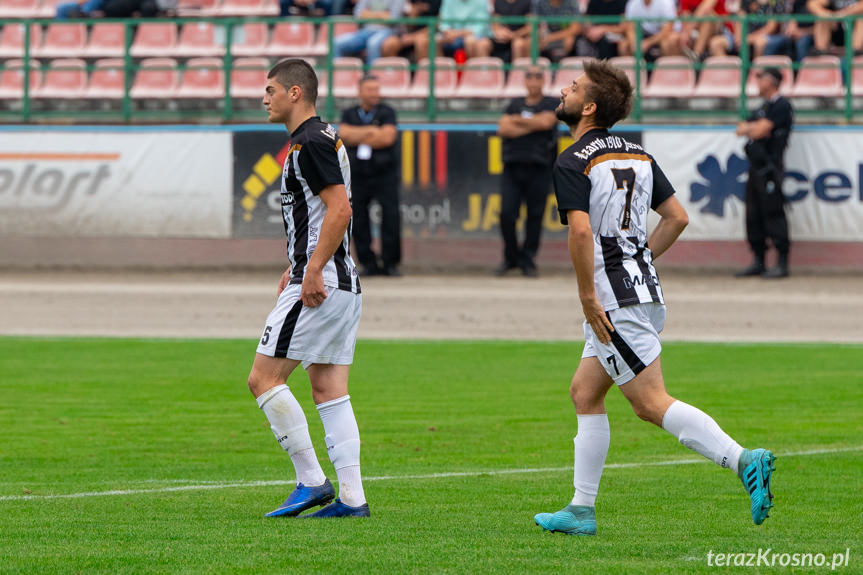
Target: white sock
343, 446
591, 447
289, 425
697, 431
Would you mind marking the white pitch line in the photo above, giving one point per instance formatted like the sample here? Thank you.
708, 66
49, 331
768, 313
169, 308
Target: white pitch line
277, 482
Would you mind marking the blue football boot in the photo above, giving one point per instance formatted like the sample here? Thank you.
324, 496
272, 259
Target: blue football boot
303, 498
339, 509
572, 520
754, 469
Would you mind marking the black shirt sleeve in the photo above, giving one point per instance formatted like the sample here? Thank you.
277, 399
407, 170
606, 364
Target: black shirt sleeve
781, 115
513, 107
346, 116
572, 189
387, 116
549, 104
319, 165
662, 188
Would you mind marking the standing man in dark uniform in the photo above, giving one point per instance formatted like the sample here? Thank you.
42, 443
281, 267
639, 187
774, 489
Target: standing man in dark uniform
768, 130
369, 132
528, 128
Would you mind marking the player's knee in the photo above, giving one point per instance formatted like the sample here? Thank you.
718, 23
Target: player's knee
584, 399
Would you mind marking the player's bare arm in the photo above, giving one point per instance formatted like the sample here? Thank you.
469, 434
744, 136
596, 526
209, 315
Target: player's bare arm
755, 130
672, 223
383, 136
333, 228
354, 135
581, 253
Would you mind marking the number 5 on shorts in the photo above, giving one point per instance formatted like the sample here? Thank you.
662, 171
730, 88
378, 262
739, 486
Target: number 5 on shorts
266, 338
612, 361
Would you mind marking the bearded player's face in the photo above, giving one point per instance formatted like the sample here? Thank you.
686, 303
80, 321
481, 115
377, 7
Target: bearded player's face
572, 99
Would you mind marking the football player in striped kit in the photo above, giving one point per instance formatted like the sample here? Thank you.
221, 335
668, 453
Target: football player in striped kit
605, 186
317, 313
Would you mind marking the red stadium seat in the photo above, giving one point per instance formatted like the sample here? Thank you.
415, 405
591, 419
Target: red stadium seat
155, 39
515, 81
781, 62
321, 46
202, 78
627, 64
19, 9
12, 79
568, 70
249, 77
232, 8
157, 78
63, 40
64, 79
12, 40
107, 40
346, 76
199, 39
250, 39
108, 80
819, 77
292, 39
720, 78
673, 77
394, 75
481, 78
445, 77
857, 76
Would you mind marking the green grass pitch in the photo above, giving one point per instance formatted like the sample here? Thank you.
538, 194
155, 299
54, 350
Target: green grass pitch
169, 423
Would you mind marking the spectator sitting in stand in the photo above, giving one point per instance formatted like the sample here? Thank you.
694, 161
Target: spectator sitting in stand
764, 37
600, 40
798, 35
456, 34
830, 32
415, 37
80, 9
370, 37
557, 39
696, 36
657, 38
509, 39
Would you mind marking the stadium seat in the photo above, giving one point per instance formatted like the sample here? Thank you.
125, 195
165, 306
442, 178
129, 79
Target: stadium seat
781, 62
231, 8
107, 81
292, 39
249, 77
63, 40
394, 75
346, 76
445, 78
250, 39
481, 78
321, 46
857, 76
64, 79
155, 39
198, 39
720, 78
673, 77
107, 40
157, 78
19, 9
12, 79
202, 78
568, 70
12, 40
819, 77
515, 80
627, 64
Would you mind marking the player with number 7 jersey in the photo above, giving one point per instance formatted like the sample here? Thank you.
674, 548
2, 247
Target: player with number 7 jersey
605, 187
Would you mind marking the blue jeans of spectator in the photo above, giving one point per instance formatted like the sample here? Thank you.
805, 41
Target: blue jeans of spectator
780, 44
366, 39
69, 10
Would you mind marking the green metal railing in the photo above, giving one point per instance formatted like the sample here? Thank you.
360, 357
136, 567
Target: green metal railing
128, 110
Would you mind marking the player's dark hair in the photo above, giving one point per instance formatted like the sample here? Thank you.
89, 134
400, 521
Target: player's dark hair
611, 91
296, 72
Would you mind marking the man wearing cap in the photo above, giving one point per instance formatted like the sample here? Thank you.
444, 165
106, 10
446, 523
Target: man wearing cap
768, 129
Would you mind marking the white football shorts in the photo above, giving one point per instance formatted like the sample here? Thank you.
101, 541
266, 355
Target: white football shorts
634, 342
325, 334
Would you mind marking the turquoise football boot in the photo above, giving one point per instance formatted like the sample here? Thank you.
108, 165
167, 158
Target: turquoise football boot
572, 520
754, 469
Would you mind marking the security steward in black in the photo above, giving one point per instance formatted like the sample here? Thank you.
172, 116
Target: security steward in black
369, 133
768, 130
529, 131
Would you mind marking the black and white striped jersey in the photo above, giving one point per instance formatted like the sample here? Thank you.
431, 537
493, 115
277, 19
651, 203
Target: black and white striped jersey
616, 182
317, 159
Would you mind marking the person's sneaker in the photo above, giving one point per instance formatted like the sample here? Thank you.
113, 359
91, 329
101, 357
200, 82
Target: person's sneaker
391, 271
572, 520
304, 497
339, 509
755, 269
754, 469
503, 268
529, 271
774, 273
